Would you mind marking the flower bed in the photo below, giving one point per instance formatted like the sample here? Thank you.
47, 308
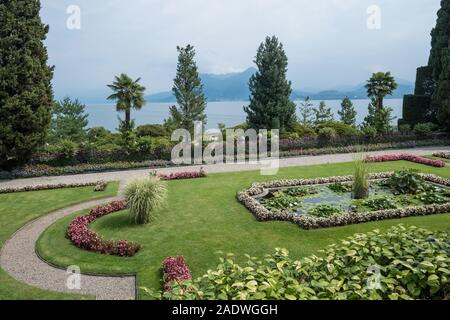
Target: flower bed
54, 186
407, 157
79, 234
175, 270
444, 155
30, 171
183, 175
249, 199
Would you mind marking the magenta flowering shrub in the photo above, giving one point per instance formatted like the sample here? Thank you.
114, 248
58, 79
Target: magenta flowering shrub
407, 157
183, 175
80, 235
176, 270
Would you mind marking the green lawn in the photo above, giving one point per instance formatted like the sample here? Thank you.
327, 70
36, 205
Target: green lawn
203, 216
16, 209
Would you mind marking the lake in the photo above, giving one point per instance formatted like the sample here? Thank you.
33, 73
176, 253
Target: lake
231, 113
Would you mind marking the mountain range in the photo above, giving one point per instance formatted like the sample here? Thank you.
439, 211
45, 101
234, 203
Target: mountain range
234, 87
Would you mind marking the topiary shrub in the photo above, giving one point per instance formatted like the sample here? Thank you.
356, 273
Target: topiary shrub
144, 196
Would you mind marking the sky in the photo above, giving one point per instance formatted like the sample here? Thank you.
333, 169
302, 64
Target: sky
328, 42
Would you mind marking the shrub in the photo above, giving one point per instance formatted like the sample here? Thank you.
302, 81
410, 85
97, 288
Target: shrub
151, 130
175, 271
407, 157
144, 196
326, 135
360, 179
302, 130
370, 133
79, 234
404, 128
340, 128
152, 145
424, 129
400, 263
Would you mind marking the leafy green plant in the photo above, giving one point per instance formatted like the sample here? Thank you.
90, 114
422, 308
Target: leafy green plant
340, 187
280, 202
413, 263
360, 178
144, 196
300, 191
382, 203
324, 211
406, 182
432, 196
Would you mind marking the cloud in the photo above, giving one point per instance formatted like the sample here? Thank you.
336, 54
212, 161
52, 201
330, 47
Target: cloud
327, 41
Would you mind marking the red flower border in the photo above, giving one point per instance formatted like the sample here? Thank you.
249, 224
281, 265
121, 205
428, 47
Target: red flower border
407, 157
79, 234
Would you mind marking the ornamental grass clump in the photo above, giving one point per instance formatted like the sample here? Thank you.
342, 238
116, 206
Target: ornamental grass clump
360, 179
144, 196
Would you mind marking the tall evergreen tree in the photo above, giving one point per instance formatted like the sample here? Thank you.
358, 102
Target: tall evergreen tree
439, 61
442, 94
270, 105
440, 38
322, 113
306, 112
69, 121
26, 95
347, 113
188, 90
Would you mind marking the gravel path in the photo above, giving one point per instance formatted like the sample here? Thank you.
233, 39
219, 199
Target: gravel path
19, 259
18, 256
132, 174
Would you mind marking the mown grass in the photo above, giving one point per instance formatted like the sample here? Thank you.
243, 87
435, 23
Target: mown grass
203, 217
17, 209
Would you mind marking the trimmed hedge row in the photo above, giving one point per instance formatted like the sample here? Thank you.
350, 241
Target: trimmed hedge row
261, 213
99, 186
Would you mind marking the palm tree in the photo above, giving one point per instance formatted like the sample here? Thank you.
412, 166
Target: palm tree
128, 94
379, 86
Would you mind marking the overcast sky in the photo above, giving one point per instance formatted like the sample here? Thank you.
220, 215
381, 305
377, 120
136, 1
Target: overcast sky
327, 42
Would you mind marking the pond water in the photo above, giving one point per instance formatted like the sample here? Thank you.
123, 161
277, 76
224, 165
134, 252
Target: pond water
284, 199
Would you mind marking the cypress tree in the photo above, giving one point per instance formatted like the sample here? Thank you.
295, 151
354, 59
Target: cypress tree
440, 62
270, 105
188, 90
26, 95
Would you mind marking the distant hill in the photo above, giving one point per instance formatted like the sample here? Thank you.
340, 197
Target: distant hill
234, 87
217, 87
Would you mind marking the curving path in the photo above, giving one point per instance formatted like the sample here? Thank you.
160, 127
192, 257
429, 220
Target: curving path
18, 256
19, 259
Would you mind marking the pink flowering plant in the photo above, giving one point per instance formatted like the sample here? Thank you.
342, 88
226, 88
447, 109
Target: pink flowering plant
176, 271
182, 175
407, 157
80, 235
